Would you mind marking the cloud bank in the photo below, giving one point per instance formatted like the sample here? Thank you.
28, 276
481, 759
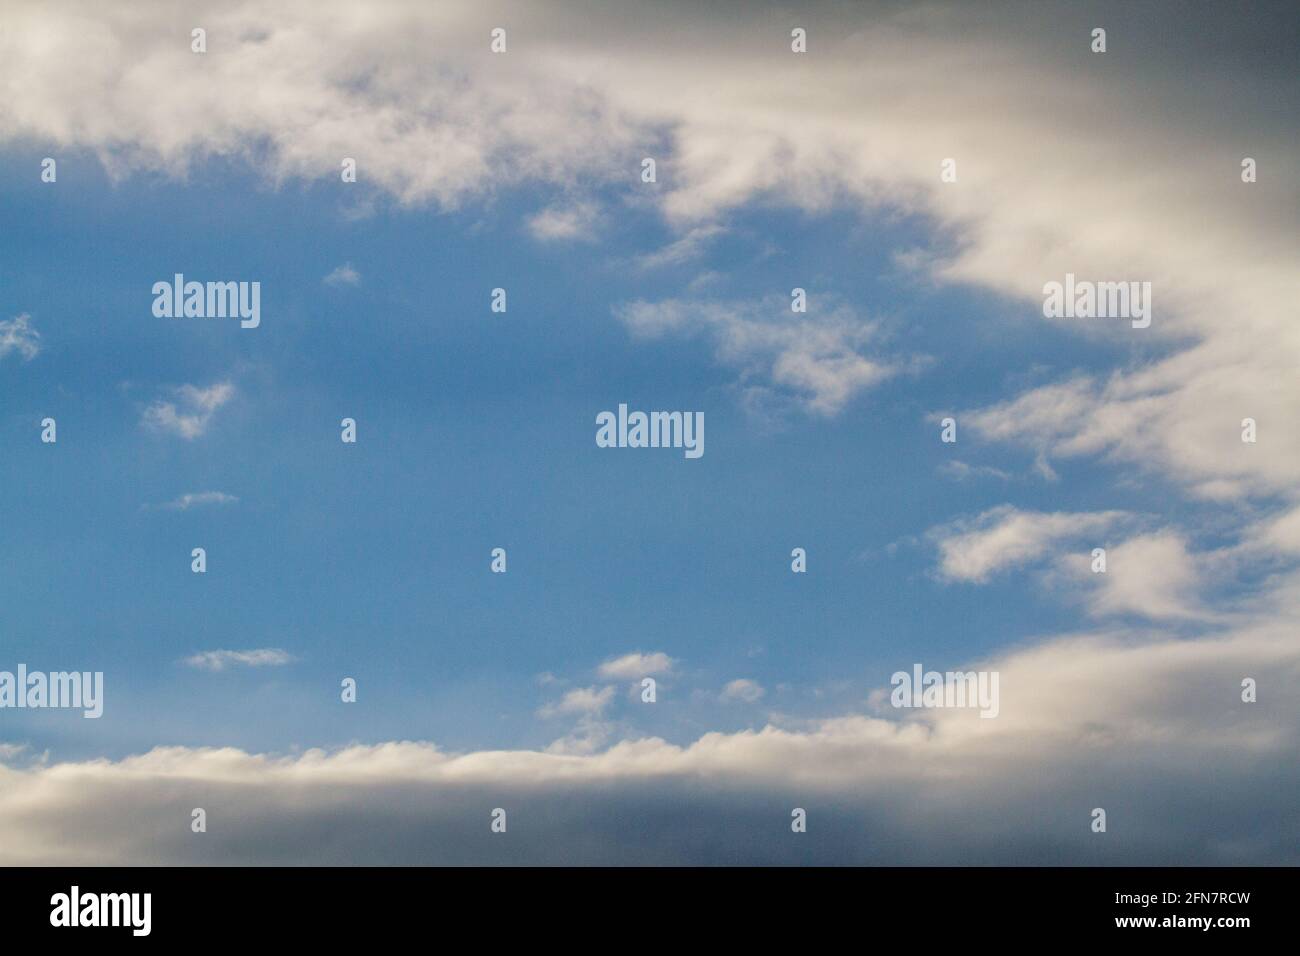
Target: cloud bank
1101, 720
1038, 125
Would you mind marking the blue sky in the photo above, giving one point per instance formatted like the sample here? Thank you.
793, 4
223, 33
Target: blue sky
476, 430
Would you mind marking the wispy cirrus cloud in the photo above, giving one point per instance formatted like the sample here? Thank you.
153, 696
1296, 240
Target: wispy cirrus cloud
1005, 537
221, 660
819, 360
194, 499
959, 470
684, 249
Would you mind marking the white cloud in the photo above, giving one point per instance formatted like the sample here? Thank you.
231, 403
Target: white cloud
580, 700
1180, 418
1153, 575
591, 731
817, 358
683, 250
743, 690
1034, 199
190, 415
343, 275
1156, 574
636, 665
1282, 532
1037, 197
1142, 724
959, 470
220, 660
568, 221
1006, 537
195, 498
17, 335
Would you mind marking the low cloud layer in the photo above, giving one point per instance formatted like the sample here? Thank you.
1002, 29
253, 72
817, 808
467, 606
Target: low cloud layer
1153, 730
